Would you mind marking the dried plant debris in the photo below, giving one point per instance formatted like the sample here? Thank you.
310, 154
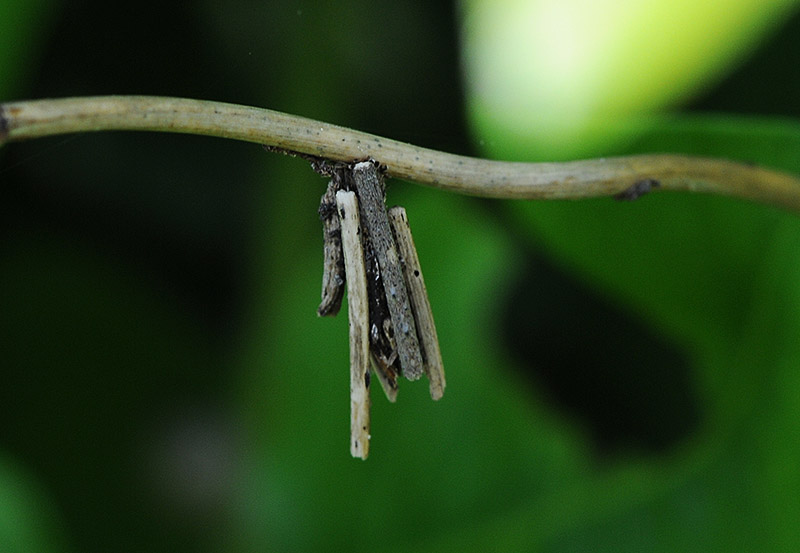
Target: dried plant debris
333, 266
637, 190
423, 315
372, 251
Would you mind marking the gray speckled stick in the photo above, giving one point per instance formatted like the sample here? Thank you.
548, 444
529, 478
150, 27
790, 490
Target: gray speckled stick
368, 182
426, 329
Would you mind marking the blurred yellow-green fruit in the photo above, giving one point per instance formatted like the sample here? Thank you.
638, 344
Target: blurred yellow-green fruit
563, 78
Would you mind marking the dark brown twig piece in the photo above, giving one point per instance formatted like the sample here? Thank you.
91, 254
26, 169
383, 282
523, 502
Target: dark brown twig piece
333, 274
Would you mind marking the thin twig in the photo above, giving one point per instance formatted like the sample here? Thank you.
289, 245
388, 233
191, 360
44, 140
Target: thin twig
357, 311
497, 179
375, 222
418, 294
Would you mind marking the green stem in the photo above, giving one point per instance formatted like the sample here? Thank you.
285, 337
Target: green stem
481, 177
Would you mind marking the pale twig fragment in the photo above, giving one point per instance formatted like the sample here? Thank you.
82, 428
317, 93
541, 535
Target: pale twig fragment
333, 267
358, 315
369, 185
418, 293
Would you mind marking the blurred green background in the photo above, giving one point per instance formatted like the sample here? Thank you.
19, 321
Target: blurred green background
621, 377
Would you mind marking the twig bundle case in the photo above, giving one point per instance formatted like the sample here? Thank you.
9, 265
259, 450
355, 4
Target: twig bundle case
391, 323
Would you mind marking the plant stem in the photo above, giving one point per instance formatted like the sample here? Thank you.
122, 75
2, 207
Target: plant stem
497, 179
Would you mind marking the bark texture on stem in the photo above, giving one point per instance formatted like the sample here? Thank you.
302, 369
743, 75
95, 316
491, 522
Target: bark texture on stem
466, 175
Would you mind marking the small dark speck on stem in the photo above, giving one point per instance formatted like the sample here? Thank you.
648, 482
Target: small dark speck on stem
637, 190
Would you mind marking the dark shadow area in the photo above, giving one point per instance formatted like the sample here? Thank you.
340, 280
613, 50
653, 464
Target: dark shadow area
625, 384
